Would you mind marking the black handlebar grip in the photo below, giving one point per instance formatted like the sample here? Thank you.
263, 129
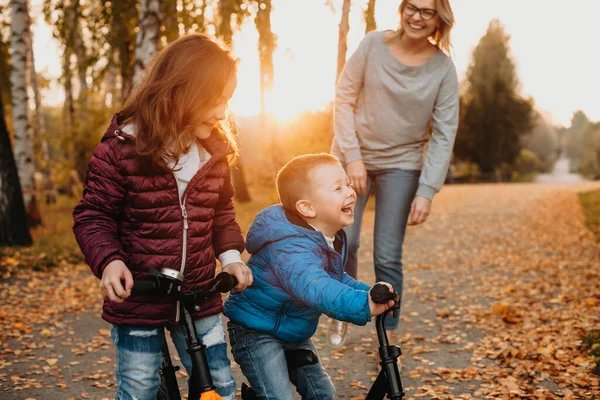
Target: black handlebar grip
143, 287
225, 282
381, 294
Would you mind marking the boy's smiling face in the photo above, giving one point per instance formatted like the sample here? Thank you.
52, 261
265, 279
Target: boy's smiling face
330, 199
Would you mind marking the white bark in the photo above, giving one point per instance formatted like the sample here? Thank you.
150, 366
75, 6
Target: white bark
38, 121
111, 80
148, 36
80, 52
23, 149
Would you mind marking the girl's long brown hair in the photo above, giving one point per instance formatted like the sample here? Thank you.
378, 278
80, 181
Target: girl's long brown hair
181, 83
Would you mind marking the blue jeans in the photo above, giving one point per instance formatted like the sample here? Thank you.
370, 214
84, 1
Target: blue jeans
139, 356
262, 360
395, 190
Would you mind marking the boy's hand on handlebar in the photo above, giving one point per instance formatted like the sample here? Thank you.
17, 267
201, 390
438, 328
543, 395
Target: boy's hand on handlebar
110, 283
242, 274
376, 308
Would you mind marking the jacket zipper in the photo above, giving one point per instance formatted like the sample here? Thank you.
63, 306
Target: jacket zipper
278, 320
184, 214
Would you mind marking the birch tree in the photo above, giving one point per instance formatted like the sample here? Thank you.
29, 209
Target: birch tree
38, 121
148, 36
23, 149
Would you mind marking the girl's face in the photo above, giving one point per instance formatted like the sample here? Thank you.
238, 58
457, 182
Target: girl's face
216, 112
420, 19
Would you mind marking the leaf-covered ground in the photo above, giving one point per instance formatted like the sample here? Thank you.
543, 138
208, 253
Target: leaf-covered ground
501, 285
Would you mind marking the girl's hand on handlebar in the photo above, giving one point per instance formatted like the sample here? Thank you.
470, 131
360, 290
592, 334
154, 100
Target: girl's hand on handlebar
242, 274
111, 285
376, 308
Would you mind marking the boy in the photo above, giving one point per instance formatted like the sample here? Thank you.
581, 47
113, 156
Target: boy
298, 252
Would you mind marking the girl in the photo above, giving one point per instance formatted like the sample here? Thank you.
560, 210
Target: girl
392, 88
158, 194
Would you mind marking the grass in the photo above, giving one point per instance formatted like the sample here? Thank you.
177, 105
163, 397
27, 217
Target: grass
53, 242
591, 210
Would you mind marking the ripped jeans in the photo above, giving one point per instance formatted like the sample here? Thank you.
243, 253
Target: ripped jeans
139, 356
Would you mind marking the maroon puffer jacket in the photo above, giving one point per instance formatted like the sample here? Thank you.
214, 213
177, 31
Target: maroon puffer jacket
129, 215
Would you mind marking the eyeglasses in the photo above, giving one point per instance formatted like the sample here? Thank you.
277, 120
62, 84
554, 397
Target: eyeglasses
426, 13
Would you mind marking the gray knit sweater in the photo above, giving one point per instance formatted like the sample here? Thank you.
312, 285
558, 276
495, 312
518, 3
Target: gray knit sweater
383, 108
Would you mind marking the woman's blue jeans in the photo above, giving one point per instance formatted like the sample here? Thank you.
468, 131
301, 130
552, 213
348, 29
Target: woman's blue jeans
394, 192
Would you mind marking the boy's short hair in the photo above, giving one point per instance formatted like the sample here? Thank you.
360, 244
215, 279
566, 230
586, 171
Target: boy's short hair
294, 179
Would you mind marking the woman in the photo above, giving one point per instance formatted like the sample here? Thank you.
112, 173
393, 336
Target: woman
393, 87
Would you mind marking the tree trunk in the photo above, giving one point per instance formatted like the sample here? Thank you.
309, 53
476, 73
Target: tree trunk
111, 80
224, 31
81, 54
33, 80
69, 104
370, 22
170, 20
124, 44
13, 218
238, 179
146, 41
22, 135
38, 121
266, 47
343, 39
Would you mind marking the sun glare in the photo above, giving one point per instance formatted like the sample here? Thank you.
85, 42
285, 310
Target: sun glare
306, 53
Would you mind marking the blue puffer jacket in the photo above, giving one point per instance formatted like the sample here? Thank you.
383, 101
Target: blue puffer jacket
297, 277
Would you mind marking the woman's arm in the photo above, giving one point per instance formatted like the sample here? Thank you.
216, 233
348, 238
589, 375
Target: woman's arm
346, 98
445, 124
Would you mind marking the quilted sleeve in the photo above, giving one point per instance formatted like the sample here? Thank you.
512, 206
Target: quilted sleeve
97, 215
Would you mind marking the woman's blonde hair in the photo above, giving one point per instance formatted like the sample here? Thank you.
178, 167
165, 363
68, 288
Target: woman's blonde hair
183, 81
441, 36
